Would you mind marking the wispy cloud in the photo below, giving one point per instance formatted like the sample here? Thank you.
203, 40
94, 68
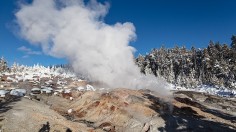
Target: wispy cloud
28, 51
25, 56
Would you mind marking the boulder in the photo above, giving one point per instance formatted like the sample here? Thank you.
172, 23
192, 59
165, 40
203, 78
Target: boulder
18, 92
36, 90
3, 93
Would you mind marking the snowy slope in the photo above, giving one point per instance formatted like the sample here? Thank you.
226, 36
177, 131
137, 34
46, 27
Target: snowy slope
36, 72
220, 91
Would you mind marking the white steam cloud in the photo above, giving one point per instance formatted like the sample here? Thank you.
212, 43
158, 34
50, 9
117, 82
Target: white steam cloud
75, 30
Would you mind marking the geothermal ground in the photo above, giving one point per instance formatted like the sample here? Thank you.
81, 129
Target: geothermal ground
43, 99
121, 110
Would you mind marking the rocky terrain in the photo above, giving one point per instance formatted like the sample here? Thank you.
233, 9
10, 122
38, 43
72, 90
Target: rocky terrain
118, 110
51, 99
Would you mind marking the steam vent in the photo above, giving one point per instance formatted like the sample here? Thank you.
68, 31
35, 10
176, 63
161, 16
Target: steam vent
117, 66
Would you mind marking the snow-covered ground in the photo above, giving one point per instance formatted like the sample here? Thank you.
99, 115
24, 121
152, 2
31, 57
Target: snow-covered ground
30, 72
44, 79
220, 91
37, 72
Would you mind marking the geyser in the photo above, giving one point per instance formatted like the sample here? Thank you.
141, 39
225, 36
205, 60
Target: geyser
76, 30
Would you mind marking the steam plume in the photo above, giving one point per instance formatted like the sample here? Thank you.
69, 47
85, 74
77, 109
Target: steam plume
76, 30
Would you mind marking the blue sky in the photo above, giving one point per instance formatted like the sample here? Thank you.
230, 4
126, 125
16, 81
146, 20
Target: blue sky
157, 22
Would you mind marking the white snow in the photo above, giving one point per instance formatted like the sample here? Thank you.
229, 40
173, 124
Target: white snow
12, 79
32, 73
3, 93
213, 90
67, 91
71, 98
80, 88
19, 78
46, 90
35, 89
59, 90
101, 89
59, 87
70, 111
221, 91
90, 88
59, 82
18, 92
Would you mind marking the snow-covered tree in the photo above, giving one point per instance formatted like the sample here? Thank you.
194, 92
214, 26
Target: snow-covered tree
3, 65
213, 65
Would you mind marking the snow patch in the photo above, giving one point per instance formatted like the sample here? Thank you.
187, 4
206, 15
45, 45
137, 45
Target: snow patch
90, 88
18, 92
213, 90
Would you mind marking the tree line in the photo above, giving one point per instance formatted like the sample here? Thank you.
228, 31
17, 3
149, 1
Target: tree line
214, 65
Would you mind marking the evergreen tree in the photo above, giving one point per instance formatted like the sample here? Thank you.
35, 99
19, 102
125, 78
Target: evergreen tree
233, 43
214, 65
3, 65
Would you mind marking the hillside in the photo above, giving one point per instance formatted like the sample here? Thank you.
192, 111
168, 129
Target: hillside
54, 99
121, 110
214, 65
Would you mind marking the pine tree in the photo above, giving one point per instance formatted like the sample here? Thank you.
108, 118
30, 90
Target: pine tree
3, 65
233, 43
214, 65
15, 67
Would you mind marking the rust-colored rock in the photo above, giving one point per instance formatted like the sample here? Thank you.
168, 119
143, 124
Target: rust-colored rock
80, 114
